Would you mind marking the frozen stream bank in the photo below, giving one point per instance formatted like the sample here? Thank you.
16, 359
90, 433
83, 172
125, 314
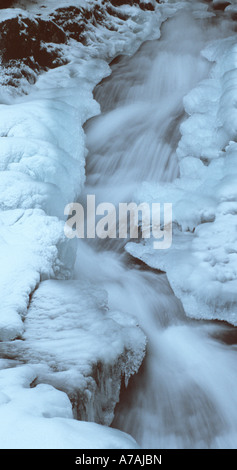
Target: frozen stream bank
185, 394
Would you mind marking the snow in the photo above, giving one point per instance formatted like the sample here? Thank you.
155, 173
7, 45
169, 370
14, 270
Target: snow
41, 155
231, 8
36, 6
9, 13
201, 264
80, 345
41, 417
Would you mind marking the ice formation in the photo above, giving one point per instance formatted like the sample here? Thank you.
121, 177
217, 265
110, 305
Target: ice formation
201, 264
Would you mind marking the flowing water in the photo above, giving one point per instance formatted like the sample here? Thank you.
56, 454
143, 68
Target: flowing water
184, 395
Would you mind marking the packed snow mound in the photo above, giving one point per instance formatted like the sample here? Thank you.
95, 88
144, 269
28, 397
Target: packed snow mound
32, 247
80, 346
40, 417
41, 170
201, 264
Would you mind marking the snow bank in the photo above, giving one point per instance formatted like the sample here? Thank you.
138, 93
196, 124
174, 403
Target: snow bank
40, 417
201, 264
41, 169
80, 346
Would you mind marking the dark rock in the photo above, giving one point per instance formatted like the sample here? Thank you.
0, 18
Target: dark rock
49, 56
221, 5
117, 3
71, 20
28, 46
6, 4
16, 71
22, 37
147, 6
114, 12
75, 21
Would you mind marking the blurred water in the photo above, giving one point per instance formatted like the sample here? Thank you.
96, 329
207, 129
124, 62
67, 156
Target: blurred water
185, 393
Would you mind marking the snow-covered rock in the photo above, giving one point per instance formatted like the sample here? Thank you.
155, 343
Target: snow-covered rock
80, 346
37, 35
40, 417
41, 169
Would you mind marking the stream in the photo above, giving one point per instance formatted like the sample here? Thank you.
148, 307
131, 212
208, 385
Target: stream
184, 395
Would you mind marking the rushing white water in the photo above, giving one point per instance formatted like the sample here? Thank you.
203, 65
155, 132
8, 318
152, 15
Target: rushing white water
185, 393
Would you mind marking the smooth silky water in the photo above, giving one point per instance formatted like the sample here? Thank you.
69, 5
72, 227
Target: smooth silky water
184, 395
